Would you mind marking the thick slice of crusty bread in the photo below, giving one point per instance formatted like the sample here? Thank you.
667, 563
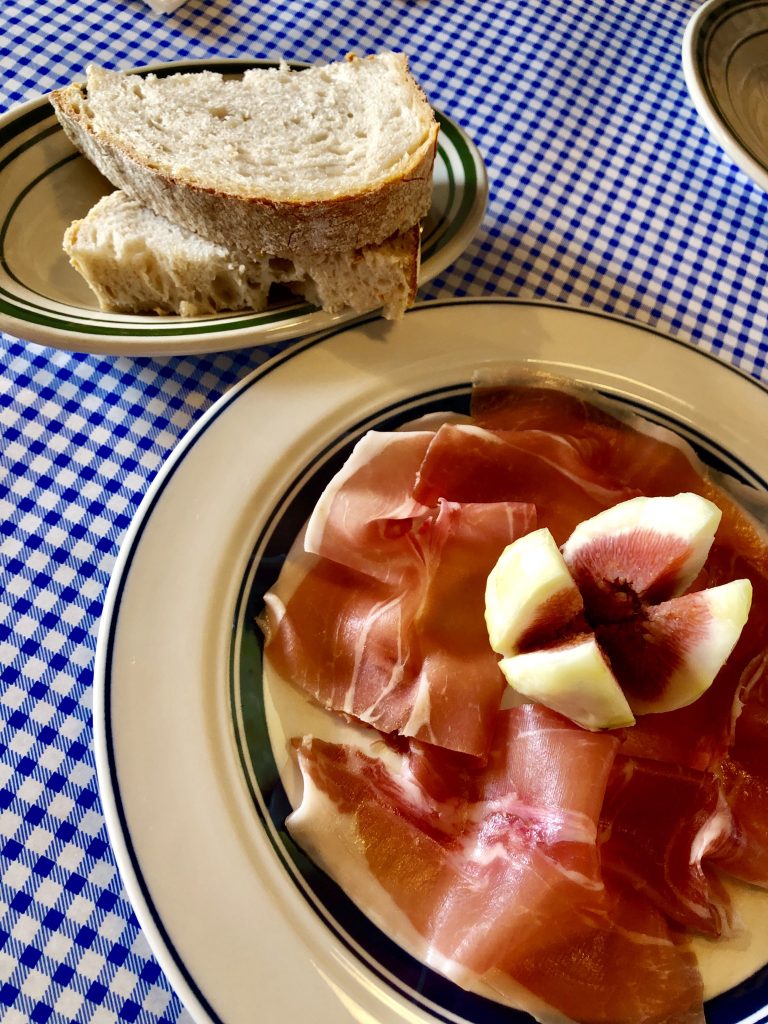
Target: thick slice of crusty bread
138, 262
278, 161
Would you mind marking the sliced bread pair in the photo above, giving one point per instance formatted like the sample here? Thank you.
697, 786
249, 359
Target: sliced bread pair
317, 167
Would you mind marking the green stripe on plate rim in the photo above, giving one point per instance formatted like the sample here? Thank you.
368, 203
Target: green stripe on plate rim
438, 238
455, 154
710, 25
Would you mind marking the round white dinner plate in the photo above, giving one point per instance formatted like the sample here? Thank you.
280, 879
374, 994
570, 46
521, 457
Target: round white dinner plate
244, 926
45, 184
725, 63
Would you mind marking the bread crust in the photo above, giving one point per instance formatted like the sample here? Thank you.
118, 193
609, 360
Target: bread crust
257, 225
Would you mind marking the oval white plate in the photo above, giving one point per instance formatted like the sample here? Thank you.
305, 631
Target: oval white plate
45, 184
725, 62
190, 783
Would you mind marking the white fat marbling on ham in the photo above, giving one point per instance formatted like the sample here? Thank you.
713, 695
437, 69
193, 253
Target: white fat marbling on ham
713, 832
389, 611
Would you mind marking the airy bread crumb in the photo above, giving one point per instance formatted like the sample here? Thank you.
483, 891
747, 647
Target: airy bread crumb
138, 262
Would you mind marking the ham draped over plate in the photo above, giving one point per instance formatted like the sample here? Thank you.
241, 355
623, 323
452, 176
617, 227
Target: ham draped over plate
553, 869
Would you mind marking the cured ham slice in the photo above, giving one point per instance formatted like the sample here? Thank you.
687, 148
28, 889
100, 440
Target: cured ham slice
407, 654
498, 886
625, 448
364, 518
458, 685
340, 635
744, 774
465, 463
630, 967
661, 828
536, 401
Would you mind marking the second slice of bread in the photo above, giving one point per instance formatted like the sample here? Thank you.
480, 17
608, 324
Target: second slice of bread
138, 262
326, 159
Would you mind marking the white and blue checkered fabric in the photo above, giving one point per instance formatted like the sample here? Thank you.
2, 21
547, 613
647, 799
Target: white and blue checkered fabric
605, 191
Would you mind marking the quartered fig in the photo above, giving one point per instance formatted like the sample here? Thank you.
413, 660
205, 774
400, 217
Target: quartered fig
604, 628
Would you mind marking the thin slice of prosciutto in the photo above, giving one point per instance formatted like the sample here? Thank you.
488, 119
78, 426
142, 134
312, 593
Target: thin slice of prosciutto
662, 828
404, 651
364, 518
498, 886
466, 463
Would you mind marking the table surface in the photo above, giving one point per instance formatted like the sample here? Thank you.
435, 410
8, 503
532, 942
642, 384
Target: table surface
606, 191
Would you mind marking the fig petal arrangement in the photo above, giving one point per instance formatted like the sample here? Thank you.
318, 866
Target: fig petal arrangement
602, 629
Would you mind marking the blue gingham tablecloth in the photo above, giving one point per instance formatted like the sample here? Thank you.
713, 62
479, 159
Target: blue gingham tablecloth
605, 191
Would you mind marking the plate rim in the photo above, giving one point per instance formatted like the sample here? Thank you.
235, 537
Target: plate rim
117, 334
695, 38
146, 913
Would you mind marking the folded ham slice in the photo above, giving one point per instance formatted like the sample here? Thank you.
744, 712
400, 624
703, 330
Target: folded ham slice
498, 887
404, 649
662, 829
467, 463
365, 516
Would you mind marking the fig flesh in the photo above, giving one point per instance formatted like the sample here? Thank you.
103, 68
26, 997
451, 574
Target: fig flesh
641, 551
668, 655
574, 679
603, 628
530, 596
